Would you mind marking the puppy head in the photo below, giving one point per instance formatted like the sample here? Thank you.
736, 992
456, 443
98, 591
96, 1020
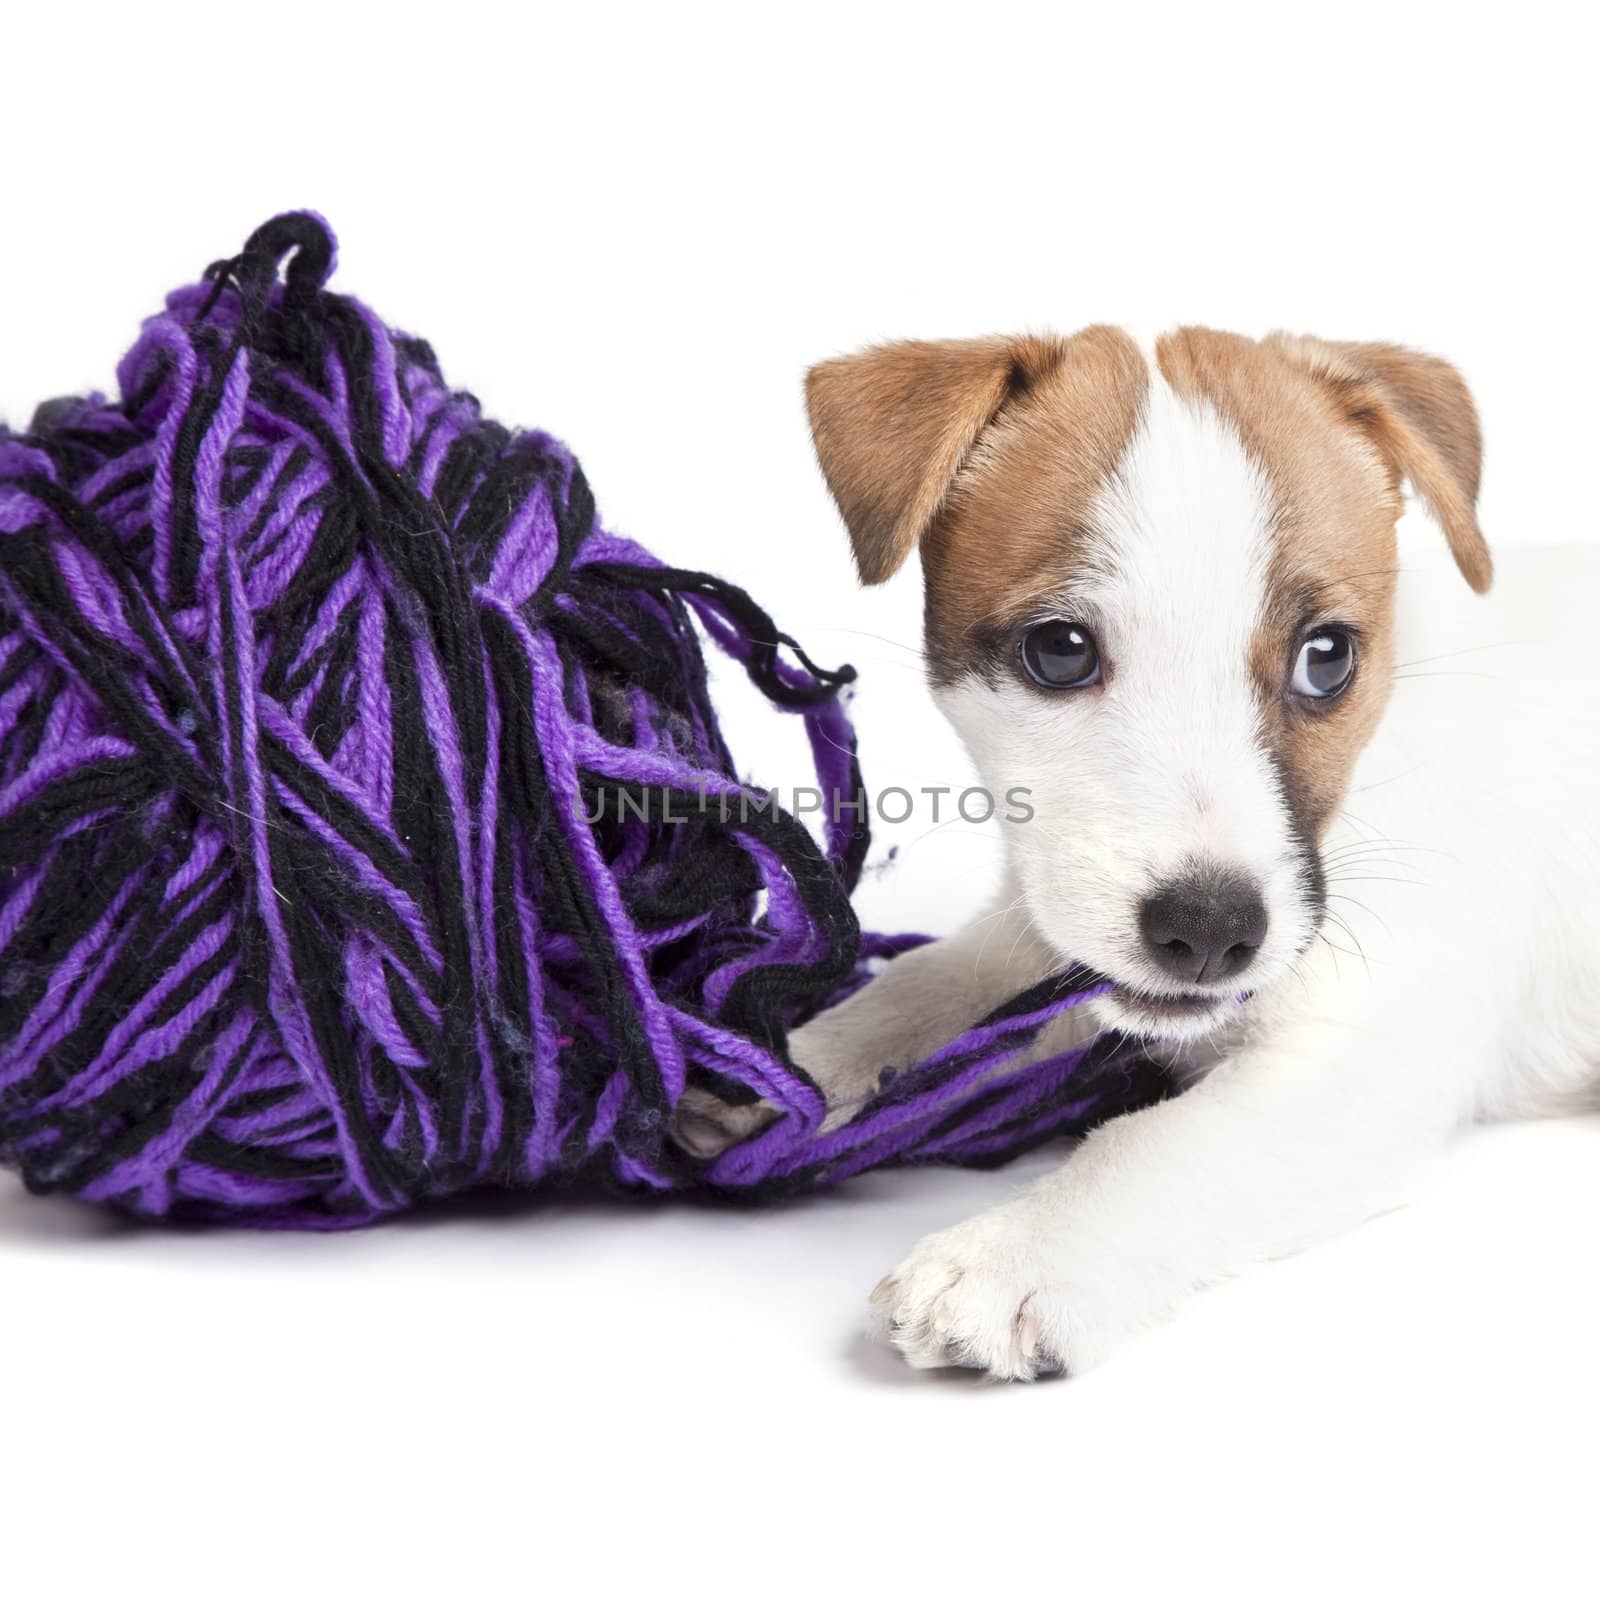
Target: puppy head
1159, 596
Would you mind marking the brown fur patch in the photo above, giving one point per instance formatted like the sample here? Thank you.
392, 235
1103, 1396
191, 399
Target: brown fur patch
1016, 518
893, 424
1417, 412
989, 452
986, 452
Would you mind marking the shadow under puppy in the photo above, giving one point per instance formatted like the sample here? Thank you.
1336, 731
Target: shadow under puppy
1324, 820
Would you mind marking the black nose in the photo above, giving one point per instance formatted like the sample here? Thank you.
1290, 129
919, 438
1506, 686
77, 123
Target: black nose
1205, 927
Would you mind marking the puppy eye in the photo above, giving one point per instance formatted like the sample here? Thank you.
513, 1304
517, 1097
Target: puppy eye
1325, 665
1060, 655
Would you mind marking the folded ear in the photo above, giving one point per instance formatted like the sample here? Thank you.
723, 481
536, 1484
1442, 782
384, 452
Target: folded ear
893, 424
1419, 413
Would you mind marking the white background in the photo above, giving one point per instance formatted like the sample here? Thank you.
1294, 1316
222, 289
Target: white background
637, 230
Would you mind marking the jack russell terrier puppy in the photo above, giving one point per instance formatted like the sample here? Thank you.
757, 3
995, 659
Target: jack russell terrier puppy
1325, 818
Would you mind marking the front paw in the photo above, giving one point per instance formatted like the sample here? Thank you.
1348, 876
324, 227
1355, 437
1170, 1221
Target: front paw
842, 1060
704, 1126
1005, 1293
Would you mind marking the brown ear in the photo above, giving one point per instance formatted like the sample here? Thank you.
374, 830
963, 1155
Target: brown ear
893, 424
1419, 413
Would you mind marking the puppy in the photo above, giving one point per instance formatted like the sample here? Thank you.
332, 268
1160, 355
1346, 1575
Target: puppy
1323, 816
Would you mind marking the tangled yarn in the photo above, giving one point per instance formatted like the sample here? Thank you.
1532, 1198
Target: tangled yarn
335, 740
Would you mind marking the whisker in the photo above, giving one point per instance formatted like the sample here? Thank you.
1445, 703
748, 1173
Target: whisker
1383, 783
1360, 905
882, 638
1004, 911
1450, 655
1406, 677
1377, 877
1322, 938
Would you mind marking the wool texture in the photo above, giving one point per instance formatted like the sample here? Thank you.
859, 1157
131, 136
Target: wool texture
366, 833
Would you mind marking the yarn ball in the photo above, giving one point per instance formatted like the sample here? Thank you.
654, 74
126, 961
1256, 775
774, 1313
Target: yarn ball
335, 736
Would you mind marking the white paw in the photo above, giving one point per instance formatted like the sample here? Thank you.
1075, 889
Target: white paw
704, 1126
1005, 1293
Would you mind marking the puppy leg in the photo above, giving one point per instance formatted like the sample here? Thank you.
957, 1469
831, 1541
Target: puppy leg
920, 1000
1289, 1141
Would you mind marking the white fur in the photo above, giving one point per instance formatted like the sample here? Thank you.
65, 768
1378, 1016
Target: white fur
1460, 979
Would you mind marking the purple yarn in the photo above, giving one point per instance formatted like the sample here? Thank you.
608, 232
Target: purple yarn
327, 709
